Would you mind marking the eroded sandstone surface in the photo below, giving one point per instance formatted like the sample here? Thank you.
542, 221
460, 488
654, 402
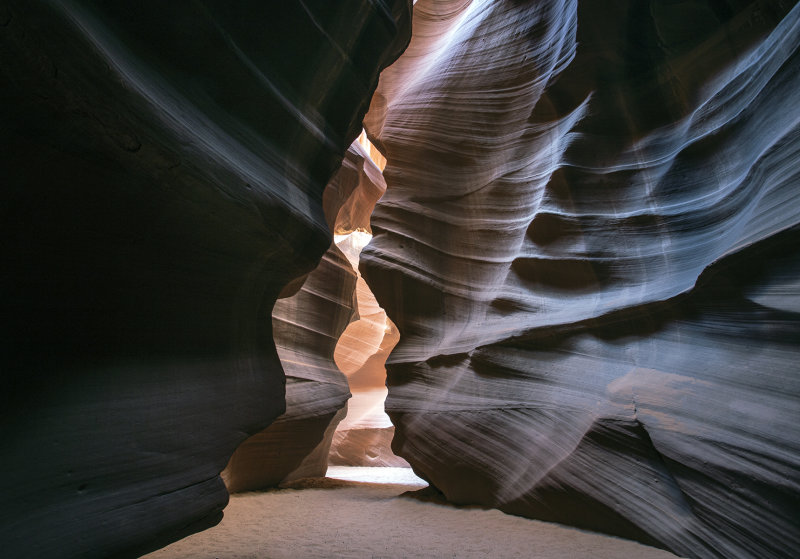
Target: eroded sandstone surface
163, 173
589, 245
364, 436
308, 326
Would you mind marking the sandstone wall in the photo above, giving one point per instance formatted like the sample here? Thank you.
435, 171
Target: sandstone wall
589, 245
163, 169
307, 327
365, 435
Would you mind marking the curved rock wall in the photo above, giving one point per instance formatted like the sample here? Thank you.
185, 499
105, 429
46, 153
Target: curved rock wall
307, 329
589, 245
163, 169
364, 436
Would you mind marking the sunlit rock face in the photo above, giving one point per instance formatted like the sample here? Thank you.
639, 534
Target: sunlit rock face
364, 436
163, 179
350, 200
307, 327
589, 245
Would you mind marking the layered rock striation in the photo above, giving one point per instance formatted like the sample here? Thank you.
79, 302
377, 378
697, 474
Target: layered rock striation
364, 436
163, 174
307, 328
589, 245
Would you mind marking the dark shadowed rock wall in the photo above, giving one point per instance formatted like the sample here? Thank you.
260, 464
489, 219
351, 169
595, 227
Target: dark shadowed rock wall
590, 245
163, 165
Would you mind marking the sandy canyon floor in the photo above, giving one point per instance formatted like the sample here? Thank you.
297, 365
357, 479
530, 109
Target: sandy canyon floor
368, 512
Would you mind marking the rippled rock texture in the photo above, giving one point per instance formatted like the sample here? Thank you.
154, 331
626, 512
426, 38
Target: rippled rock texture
307, 327
589, 245
364, 437
163, 174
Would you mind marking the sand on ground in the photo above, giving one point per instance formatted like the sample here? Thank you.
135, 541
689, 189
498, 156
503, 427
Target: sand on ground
343, 516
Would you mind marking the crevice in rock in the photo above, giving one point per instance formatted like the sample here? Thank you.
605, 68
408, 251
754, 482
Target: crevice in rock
364, 437
327, 323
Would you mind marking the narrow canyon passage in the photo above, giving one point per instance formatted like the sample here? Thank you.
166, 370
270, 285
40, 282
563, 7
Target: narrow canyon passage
363, 438
369, 502
577, 316
332, 339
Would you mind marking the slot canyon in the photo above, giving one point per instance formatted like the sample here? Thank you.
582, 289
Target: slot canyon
560, 239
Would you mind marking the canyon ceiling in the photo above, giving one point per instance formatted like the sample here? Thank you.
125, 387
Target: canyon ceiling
589, 245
